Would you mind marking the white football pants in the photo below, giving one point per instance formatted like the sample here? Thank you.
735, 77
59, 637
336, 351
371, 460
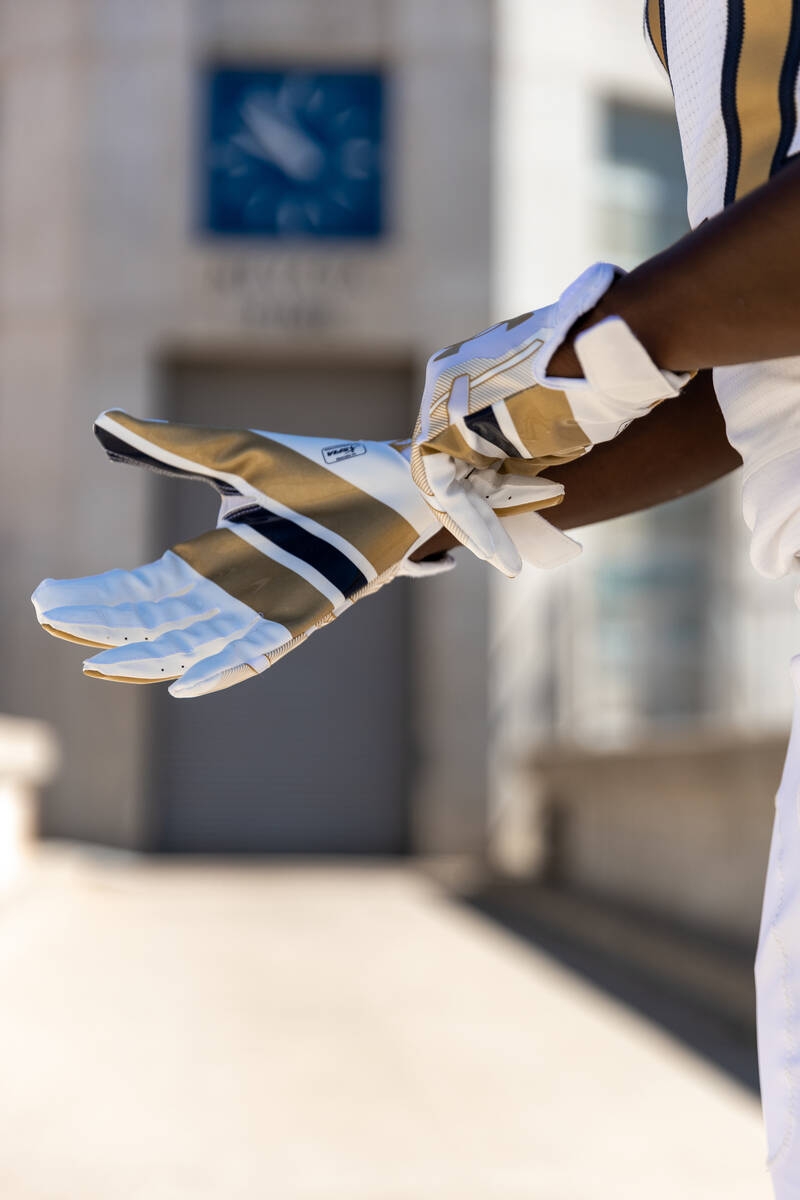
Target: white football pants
778, 976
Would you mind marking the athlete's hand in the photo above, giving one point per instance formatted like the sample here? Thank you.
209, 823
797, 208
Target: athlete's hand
490, 403
306, 527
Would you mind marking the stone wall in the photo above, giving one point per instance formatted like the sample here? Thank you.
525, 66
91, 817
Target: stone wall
678, 828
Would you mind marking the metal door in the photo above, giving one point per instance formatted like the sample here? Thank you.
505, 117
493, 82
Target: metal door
314, 755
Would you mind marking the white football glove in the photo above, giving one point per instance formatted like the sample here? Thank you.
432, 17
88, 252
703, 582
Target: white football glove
488, 403
307, 526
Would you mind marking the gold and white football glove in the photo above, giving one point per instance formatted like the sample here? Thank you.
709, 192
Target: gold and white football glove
306, 527
489, 403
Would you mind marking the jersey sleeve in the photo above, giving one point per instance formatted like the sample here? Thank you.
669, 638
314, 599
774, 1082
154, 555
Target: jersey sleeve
733, 67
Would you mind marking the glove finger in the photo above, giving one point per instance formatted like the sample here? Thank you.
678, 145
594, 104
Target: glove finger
451, 497
168, 447
538, 542
103, 625
170, 655
133, 622
218, 456
239, 660
167, 576
505, 556
474, 517
512, 490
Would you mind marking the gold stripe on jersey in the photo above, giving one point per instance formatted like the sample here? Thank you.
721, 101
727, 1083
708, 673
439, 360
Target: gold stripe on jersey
652, 17
767, 24
377, 530
266, 586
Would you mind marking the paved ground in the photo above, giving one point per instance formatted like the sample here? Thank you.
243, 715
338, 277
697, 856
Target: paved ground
194, 1032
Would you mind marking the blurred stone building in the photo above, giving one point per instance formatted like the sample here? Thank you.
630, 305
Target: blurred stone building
268, 213
261, 213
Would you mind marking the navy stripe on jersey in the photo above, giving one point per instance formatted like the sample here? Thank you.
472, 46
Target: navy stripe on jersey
291, 537
730, 117
786, 93
484, 423
662, 20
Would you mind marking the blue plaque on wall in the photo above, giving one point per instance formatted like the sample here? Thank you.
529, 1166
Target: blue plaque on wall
292, 153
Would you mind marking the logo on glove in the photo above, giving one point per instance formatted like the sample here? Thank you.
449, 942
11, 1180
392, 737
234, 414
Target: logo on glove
335, 454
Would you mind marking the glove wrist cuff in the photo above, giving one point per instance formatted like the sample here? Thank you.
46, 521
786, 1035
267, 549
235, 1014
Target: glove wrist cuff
615, 363
575, 302
621, 382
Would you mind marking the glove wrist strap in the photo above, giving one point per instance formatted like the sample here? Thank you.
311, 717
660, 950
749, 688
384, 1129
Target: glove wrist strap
615, 363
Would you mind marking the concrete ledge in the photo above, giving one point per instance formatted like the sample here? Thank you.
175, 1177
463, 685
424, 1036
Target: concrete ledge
29, 759
679, 827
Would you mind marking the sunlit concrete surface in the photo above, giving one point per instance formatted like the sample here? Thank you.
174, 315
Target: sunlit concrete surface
180, 1031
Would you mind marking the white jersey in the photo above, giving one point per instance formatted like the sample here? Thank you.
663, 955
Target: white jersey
733, 68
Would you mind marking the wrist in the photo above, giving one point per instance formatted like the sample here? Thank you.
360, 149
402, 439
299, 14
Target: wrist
624, 299
565, 364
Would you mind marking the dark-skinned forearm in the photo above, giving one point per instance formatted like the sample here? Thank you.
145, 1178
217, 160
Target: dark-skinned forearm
680, 447
729, 292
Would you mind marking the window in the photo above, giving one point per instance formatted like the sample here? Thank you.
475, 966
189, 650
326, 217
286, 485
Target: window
639, 610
